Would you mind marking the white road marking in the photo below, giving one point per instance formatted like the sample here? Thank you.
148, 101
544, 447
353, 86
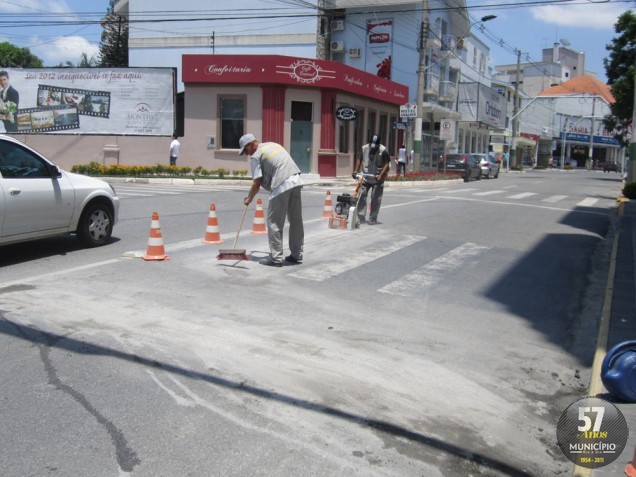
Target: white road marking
433, 272
489, 192
523, 195
554, 198
589, 202
456, 191
326, 270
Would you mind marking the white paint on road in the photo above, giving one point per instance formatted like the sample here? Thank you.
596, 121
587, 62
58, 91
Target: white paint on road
326, 270
433, 272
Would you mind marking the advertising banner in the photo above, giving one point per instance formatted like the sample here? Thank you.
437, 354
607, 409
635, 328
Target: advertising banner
379, 48
122, 101
578, 129
480, 103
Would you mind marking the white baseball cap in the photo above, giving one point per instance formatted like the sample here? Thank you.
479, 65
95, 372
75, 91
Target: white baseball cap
244, 141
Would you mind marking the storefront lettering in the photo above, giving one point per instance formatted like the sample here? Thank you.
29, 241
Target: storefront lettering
221, 70
492, 111
352, 81
379, 89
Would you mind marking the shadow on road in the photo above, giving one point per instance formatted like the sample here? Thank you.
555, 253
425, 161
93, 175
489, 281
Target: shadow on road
44, 339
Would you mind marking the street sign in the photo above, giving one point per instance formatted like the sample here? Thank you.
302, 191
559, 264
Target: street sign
447, 129
408, 111
399, 125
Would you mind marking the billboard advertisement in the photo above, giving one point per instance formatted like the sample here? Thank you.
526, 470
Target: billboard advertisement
379, 47
480, 103
121, 101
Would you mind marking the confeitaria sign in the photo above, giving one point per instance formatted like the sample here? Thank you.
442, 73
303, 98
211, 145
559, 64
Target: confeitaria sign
275, 69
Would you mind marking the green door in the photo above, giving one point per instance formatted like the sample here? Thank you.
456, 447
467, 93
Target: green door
301, 134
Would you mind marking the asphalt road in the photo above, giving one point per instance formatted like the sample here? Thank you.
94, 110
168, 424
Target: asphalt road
446, 340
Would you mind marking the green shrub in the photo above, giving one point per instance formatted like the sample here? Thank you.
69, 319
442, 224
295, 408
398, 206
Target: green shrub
629, 190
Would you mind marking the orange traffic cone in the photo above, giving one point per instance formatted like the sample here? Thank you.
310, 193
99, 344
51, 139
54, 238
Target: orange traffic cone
259, 219
327, 210
155, 250
630, 469
212, 234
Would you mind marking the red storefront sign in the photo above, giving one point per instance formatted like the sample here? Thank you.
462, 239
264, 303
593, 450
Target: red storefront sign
276, 69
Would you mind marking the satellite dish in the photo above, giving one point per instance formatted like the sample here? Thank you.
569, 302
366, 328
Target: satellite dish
564, 42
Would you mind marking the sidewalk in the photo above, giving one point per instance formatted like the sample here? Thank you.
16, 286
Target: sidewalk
622, 327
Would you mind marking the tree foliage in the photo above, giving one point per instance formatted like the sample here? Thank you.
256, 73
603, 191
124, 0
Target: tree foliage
12, 56
620, 69
84, 62
113, 47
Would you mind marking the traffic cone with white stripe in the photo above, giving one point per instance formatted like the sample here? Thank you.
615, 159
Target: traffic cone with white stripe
155, 250
258, 227
212, 234
327, 210
630, 470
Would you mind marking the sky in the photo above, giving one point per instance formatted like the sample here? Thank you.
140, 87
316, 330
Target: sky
588, 26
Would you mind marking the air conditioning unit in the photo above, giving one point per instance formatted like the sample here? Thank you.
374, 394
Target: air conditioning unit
354, 52
337, 25
337, 46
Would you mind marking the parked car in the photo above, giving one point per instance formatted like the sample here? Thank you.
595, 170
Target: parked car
465, 164
610, 166
38, 199
489, 164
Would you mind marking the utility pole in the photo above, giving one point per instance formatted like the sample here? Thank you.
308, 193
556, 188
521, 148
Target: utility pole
631, 167
590, 152
515, 107
421, 70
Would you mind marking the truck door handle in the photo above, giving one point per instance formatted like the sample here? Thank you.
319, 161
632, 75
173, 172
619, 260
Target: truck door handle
14, 191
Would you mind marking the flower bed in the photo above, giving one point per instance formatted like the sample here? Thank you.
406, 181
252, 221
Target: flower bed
158, 170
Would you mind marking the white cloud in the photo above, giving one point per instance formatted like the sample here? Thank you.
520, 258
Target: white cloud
69, 48
592, 15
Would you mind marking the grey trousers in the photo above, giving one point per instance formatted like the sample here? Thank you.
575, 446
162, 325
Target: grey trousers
286, 205
377, 191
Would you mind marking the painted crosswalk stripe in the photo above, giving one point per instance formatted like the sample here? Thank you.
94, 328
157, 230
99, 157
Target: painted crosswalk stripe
433, 272
456, 191
490, 192
554, 198
324, 271
523, 195
589, 202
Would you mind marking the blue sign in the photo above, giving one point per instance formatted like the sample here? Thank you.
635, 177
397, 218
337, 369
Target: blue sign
586, 138
398, 125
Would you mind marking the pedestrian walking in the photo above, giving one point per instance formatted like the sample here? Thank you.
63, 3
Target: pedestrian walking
374, 162
274, 170
175, 150
401, 160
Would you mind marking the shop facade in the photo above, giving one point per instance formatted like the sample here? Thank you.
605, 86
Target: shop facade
321, 111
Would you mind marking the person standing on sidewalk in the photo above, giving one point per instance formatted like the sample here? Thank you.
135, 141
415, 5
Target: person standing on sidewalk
375, 161
401, 160
175, 150
274, 170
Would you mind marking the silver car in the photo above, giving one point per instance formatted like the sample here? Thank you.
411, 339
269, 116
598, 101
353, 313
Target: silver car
39, 200
489, 164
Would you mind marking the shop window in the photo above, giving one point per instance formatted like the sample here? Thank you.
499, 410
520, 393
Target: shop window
232, 120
